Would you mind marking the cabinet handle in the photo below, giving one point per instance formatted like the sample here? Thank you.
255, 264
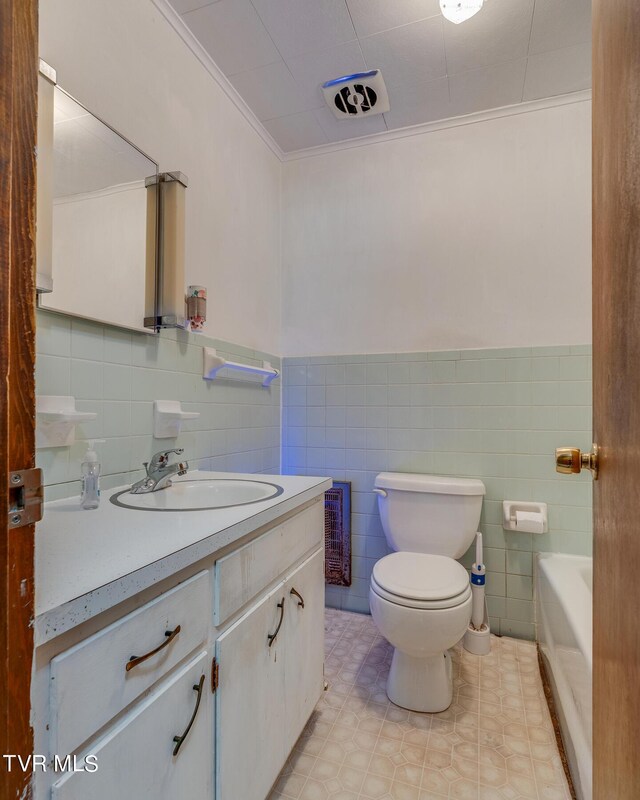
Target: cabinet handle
297, 594
272, 636
180, 739
135, 660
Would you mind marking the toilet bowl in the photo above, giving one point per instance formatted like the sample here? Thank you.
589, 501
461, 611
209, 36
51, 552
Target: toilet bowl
420, 596
422, 605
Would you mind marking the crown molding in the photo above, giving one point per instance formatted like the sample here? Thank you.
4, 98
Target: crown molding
442, 124
175, 20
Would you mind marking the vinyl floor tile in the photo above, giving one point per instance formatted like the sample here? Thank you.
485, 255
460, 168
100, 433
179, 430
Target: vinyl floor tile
495, 741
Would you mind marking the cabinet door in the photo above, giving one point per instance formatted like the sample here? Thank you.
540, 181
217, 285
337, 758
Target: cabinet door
251, 731
135, 757
303, 643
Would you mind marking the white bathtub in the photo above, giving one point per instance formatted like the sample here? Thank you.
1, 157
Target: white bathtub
564, 602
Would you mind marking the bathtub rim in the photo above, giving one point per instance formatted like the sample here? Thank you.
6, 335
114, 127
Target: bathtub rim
580, 618
562, 574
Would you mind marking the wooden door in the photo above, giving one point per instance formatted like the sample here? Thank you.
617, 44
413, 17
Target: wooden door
251, 725
18, 103
616, 379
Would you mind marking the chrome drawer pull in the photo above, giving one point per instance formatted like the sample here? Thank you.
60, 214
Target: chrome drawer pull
297, 594
135, 660
180, 739
272, 636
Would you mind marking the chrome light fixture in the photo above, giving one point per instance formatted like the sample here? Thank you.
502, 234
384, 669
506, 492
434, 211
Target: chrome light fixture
458, 11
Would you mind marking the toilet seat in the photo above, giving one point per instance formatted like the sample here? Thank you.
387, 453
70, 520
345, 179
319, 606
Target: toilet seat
421, 580
408, 602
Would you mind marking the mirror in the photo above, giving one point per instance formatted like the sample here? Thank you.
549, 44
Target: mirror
99, 245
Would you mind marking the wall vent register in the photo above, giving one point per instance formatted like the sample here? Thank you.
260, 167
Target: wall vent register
337, 534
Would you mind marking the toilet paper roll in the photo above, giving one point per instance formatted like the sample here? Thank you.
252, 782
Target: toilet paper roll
529, 522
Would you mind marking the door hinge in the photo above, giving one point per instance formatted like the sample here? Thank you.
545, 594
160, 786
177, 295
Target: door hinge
215, 675
25, 497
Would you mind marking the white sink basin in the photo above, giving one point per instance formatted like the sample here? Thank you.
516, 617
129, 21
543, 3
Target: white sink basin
199, 495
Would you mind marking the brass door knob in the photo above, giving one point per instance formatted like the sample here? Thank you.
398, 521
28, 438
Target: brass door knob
571, 460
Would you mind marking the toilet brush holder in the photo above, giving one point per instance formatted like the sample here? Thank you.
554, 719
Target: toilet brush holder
478, 642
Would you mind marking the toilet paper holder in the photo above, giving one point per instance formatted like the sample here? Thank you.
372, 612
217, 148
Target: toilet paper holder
510, 522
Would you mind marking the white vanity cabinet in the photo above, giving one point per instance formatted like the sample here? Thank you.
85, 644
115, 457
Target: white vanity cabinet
228, 653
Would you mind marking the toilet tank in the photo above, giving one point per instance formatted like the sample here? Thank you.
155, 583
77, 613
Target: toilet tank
429, 513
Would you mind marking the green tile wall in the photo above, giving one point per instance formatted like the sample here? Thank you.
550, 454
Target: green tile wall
492, 414
119, 374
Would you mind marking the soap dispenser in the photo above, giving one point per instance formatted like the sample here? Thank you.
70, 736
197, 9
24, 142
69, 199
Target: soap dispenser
90, 497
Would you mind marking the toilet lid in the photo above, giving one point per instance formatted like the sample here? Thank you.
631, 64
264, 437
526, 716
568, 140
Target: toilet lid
421, 576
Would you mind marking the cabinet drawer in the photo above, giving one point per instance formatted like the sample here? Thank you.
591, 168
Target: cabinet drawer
135, 758
90, 682
241, 575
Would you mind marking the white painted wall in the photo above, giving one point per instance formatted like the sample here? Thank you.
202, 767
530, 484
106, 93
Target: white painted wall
473, 236
125, 63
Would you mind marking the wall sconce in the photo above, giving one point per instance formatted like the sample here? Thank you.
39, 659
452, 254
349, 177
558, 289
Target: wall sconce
44, 208
165, 301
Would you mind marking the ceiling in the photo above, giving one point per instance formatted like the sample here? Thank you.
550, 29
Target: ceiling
276, 53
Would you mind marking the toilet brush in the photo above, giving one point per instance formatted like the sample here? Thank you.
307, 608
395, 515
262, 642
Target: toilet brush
476, 639
478, 572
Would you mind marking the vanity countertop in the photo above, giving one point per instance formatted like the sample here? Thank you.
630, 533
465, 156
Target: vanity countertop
88, 561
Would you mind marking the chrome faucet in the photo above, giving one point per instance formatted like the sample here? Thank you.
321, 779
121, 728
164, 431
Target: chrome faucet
160, 472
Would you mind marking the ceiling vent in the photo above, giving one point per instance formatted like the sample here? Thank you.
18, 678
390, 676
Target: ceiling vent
359, 95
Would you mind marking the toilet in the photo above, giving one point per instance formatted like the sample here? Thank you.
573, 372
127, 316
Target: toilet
420, 596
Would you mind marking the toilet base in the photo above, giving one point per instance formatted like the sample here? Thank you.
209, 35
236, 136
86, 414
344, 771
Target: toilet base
420, 684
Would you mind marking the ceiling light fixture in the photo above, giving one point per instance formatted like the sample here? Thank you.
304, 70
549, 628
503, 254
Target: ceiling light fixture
460, 10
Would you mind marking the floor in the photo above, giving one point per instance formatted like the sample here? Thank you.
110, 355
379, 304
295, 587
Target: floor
495, 742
